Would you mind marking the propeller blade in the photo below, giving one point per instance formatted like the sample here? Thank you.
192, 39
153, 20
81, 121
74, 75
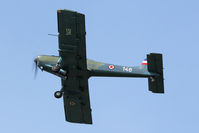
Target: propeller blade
35, 67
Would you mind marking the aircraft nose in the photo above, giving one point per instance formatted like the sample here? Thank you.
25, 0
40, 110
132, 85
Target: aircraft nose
36, 60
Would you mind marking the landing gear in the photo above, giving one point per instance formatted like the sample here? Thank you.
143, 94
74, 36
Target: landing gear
58, 94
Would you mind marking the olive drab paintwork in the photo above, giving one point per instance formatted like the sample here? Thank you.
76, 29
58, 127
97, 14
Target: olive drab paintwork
75, 69
102, 69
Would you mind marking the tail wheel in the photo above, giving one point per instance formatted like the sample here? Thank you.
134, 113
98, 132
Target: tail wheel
58, 94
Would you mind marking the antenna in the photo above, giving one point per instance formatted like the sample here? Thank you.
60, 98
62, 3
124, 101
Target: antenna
53, 34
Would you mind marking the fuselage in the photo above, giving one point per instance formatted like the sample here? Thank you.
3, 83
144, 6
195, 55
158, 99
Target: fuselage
94, 68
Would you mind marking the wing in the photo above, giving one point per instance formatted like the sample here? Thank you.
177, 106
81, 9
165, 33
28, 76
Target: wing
76, 102
72, 50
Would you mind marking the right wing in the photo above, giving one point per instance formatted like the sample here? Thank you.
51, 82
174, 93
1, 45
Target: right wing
76, 101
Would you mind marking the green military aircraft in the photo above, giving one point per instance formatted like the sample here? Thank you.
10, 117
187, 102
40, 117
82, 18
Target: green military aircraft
75, 69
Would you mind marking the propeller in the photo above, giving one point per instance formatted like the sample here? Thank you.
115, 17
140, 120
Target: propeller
35, 67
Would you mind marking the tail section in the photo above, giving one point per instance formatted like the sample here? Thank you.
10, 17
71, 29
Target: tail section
155, 65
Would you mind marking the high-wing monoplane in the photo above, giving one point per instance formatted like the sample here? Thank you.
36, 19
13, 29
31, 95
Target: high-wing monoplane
75, 69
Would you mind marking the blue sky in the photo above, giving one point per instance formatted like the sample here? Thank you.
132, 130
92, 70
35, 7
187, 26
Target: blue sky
118, 32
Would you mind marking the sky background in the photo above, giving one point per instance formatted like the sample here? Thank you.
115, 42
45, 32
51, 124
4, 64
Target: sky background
118, 32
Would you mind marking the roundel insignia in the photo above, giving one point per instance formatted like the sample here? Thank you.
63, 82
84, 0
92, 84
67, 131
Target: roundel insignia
111, 67
72, 103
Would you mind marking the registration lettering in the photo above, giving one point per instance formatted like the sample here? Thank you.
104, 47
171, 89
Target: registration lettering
127, 69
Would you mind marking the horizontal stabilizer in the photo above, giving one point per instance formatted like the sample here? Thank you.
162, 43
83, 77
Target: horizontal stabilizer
155, 65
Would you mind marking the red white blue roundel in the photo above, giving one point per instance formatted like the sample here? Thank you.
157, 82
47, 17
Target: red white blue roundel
111, 66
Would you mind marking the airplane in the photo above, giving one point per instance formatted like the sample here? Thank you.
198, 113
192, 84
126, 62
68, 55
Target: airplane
75, 69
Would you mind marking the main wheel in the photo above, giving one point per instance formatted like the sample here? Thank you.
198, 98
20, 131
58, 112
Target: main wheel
58, 94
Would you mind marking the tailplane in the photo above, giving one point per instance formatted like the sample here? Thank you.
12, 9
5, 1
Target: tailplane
155, 65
